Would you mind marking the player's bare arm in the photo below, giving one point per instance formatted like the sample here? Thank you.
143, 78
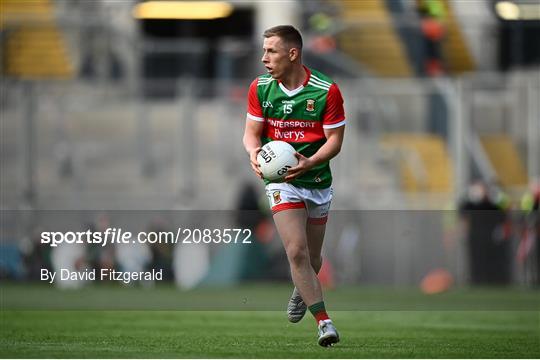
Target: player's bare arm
252, 143
332, 147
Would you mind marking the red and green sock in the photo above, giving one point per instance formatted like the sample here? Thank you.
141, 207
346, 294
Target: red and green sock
319, 311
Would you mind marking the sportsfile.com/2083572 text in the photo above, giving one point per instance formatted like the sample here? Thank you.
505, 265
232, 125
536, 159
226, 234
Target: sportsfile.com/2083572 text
119, 236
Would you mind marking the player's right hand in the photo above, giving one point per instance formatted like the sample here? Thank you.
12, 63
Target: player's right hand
254, 163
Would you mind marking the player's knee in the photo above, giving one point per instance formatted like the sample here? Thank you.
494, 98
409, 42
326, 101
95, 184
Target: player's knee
297, 254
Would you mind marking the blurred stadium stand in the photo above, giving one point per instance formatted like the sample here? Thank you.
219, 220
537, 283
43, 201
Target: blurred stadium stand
376, 45
457, 54
35, 48
504, 157
424, 162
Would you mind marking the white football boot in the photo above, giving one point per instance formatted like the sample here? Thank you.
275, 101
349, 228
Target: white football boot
296, 309
328, 334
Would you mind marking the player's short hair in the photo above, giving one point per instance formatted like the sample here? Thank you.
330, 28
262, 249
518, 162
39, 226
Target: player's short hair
289, 34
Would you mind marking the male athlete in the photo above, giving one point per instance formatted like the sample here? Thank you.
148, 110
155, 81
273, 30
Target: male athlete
303, 107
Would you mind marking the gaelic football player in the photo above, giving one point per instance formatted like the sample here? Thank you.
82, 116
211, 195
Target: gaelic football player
303, 107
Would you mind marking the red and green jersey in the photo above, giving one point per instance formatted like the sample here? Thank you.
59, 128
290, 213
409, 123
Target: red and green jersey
298, 117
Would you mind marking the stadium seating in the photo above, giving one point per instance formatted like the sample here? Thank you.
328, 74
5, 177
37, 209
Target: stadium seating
424, 162
34, 45
505, 159
381, 51
379, 46
458, 58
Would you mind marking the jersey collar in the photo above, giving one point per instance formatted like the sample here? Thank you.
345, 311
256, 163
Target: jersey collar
298, 89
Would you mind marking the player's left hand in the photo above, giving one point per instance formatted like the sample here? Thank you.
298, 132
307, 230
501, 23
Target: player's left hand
304, 164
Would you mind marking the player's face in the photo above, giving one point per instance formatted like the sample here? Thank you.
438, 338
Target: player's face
276, 58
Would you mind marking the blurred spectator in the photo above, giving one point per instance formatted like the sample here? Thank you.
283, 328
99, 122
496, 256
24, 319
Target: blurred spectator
70, 257
321, 25
248, 204
500, 197
321, 22
530, 201
250, 216
487, 237
528, 252
11, 263
36, 256
162, 253
433, 14
134, 257
98, 256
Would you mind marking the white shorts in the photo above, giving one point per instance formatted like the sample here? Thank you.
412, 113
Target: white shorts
284, 196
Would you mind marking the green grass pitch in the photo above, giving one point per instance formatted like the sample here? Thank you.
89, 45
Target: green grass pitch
31, 327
